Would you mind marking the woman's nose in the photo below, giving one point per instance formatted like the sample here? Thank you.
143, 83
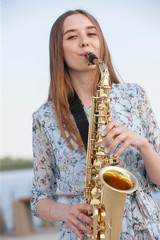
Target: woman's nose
84, 42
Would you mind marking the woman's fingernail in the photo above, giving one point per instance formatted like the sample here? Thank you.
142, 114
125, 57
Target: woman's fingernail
103, 134
102, 145
106, 151
103, 127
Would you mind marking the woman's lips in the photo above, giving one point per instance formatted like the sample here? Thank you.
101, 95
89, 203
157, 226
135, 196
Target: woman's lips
84, 54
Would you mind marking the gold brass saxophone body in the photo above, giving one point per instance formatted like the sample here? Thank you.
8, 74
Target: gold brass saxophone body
106, 183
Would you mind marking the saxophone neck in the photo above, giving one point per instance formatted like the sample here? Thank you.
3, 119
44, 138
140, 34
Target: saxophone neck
104, 81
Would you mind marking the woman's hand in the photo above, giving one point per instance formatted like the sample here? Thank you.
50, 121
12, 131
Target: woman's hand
118, 133
74, 216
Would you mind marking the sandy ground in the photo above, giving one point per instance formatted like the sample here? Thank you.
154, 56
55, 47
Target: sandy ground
45, 233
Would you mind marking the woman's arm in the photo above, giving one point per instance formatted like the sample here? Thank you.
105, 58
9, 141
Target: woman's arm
152, 162
44, 186
51, 211
71, 214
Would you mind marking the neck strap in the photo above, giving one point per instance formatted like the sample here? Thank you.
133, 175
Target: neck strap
80, 117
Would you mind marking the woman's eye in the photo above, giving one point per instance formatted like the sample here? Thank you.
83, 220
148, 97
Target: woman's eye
71, 37
92, 34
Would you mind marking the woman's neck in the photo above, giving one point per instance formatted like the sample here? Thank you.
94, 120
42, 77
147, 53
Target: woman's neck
83, 85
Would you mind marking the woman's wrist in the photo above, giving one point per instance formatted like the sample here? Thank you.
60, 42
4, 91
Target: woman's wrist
144, 146
58, 212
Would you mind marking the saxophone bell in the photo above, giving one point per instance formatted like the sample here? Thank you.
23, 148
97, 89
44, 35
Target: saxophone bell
117, 182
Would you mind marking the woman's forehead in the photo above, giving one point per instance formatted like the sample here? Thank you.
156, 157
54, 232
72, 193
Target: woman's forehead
76, 21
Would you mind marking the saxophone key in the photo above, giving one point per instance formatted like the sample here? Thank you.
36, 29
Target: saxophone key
96, 192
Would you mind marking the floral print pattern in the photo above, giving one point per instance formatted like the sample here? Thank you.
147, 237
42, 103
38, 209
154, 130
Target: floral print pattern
60, 171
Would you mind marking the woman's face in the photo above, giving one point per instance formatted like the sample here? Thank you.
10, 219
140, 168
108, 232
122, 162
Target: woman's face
80, 37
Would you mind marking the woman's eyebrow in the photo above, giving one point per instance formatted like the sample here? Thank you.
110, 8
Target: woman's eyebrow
70, 30
90, 27
73, 30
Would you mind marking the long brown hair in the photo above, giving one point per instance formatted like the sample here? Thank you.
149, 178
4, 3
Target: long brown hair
60, 89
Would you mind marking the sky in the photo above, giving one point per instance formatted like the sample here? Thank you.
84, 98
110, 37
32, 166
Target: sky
131, 29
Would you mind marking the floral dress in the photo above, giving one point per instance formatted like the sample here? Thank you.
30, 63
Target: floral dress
60, 171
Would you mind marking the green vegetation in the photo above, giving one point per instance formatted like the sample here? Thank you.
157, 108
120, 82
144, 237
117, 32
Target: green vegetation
8, 163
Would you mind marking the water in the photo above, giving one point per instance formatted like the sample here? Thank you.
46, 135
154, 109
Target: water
14, 185
17, 184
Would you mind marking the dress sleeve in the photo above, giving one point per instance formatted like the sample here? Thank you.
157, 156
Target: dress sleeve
149, 122
44, 181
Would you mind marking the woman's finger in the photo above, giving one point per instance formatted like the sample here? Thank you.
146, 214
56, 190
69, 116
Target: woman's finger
81, 209
80, 225
112, 124
75, 217
122, 148
119, 139
77, 225
83, 217
111, 135
75, 229
84, 207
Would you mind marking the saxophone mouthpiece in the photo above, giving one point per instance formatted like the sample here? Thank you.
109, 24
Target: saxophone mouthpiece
91, 57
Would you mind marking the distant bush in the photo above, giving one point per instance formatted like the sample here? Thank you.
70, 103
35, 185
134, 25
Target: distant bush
8, 163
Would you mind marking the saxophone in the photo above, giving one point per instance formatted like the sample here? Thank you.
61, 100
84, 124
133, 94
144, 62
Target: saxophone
106, 183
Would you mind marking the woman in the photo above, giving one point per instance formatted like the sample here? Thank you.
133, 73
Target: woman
59, 153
